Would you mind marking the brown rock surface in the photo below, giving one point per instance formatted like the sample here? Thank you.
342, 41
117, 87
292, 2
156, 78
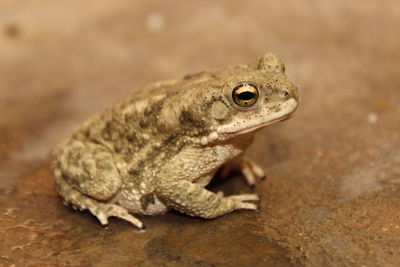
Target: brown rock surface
333, 189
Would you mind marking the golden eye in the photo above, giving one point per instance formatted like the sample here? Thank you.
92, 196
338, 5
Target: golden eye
245, 95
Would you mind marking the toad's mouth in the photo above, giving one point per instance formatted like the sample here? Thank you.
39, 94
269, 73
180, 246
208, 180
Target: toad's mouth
285, 113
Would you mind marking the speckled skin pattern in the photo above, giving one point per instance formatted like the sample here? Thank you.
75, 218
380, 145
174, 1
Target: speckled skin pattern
158, 148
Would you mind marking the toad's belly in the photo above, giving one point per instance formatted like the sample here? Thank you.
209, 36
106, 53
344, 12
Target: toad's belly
148, 204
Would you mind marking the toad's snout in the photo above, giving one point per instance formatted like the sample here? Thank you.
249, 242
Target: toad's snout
293, 92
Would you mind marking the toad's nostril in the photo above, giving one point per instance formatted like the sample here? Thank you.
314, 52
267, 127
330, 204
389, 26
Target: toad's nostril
285, 93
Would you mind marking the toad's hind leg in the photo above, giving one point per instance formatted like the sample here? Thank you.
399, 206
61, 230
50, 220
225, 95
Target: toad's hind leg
101, 210
89, 168
86, 176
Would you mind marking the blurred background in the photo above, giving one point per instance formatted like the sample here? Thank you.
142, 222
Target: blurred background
332, 193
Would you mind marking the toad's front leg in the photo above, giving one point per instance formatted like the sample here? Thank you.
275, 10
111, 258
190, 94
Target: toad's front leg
194, 200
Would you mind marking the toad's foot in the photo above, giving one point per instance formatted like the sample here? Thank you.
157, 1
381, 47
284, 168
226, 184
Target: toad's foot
104, 211
250, 170
241, 201
245, 197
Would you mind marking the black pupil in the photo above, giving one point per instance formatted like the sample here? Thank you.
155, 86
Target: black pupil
246, 95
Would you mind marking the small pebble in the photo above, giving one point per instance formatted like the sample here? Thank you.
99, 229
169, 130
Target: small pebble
372, 117
155, 22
